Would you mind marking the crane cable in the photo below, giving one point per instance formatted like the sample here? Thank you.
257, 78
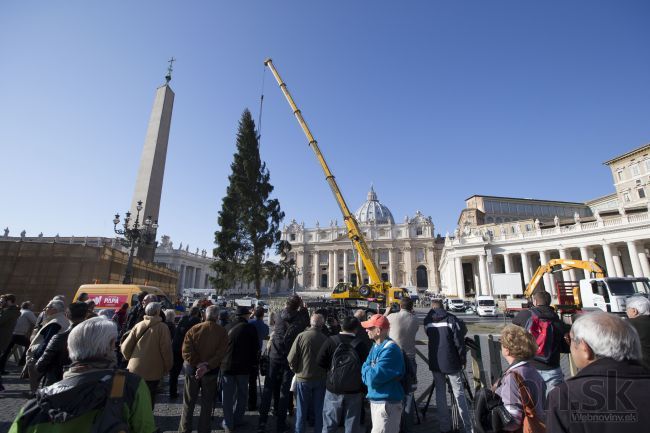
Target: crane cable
259, 119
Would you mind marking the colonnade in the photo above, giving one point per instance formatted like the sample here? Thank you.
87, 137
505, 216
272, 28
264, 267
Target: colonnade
620, 259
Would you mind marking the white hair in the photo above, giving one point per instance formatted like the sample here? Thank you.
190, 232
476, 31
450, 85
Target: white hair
152, 309
108, 313
640, 303
212, 313
151, 298
92, 339
607, 335
170, 316
59, 306
316, 320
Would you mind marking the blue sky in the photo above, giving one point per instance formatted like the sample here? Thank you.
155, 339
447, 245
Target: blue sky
432, 101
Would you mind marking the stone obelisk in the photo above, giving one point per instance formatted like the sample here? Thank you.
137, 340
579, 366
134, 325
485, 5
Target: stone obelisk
148, 187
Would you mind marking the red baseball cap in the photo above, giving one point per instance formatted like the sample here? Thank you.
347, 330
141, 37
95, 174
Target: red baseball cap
378, 320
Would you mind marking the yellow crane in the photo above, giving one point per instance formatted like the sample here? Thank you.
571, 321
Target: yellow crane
376, 288
560, 265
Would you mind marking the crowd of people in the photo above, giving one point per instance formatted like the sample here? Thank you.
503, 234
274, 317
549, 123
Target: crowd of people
96, 371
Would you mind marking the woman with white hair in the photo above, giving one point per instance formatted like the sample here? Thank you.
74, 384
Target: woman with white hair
638, 310
148, 348
80, 401
55, 323
610, 391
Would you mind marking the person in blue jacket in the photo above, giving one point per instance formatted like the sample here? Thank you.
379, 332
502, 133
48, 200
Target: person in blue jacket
381, 373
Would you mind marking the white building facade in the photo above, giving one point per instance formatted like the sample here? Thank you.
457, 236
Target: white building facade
615, 233
406, 253
194, 268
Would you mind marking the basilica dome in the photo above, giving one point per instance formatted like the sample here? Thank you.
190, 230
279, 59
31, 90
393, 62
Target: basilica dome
373, 212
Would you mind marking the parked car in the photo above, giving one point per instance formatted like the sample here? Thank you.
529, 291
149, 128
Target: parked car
486, 306
456, 305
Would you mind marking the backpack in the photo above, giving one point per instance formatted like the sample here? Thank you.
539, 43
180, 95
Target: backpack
293, 329
72, 397
345, 369
542, 331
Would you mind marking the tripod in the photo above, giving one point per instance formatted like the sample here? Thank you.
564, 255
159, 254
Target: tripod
455, 412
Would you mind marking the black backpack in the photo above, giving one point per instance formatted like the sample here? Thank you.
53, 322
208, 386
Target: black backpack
345, 369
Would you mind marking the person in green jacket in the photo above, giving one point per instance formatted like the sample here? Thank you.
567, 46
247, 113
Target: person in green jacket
80, 402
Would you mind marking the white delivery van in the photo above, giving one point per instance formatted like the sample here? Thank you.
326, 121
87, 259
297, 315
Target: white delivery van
486, 306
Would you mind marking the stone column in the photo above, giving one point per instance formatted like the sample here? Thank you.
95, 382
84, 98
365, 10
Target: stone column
315, 269
584, 256
643, 259
548, 283
460, 281
634, 258
566, 275
525, 267
197, 278
346, 277
181, 278
335, 281
408, 267
507, 263
302, 262
609, 261
617, 262
391, 267
483, 275
330, 268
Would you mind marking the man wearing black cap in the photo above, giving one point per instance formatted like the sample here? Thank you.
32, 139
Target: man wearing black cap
239, 361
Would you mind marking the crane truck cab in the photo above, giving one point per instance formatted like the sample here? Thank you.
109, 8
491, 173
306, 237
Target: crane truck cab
610, 294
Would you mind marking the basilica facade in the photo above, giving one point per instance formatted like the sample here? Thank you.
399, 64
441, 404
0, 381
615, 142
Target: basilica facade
406, 253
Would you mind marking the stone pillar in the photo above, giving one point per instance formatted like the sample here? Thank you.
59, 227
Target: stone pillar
460, 281
483, 275
302, 263
643, 259
197, 278
584, 256
609, 261
408, 267
634, 258
315, 269
335, 280
525, 267
617, 262
346, 277
548, 283
181, 278
391, 267
330, 268
566, 275
507, 263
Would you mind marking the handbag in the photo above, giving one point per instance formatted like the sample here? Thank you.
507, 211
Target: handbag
531, 422
490, 414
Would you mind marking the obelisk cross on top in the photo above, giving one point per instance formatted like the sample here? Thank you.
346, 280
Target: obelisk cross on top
148, 186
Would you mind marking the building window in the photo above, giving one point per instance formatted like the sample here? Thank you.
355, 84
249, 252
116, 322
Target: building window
647, 165
323, 258
418, 231
626, 197
420, 254
311, 237
383, 256
620, 174
635, 169
292, 236
400, 257
528, 227
641, 192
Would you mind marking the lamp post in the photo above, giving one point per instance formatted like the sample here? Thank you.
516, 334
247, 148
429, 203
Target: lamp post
135, 235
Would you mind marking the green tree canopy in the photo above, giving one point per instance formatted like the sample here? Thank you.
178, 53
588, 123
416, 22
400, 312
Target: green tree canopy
249, 219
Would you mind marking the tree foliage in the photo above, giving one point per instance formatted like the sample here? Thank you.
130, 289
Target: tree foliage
249, 219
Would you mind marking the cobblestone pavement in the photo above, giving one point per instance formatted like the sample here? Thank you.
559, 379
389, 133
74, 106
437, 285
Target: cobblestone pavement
167, 413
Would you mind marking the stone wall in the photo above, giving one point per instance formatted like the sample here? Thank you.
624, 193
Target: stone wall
37, 271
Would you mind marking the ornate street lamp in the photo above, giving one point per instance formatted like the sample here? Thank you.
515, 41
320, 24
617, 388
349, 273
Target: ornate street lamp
135, 235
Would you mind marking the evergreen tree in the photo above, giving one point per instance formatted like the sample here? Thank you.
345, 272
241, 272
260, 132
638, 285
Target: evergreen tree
249, 220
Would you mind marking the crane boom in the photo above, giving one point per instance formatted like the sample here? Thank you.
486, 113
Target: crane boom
354, 232
562, 265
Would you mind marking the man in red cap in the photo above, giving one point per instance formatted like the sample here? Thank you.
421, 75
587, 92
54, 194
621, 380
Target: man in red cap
381, 373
